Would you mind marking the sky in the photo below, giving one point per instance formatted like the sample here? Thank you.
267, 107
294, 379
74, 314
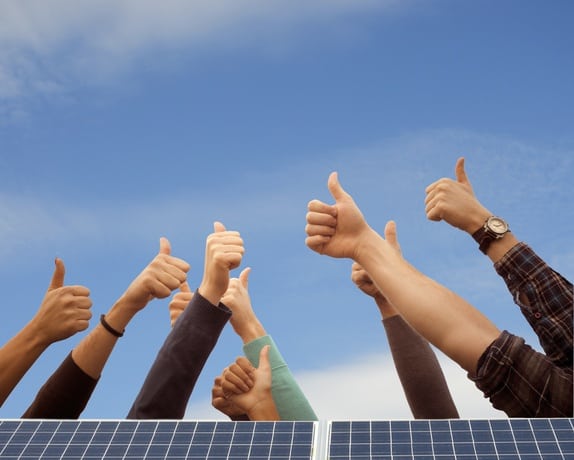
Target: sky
123, 121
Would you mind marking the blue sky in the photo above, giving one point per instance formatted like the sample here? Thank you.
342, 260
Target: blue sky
123, 121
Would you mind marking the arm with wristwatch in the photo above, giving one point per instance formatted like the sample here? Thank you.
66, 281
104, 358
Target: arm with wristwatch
544, 296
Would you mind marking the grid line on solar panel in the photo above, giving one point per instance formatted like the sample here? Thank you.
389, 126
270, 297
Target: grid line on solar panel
512, 439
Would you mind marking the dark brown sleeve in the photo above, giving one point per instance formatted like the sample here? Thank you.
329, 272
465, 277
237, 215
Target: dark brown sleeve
419, 371
64, 395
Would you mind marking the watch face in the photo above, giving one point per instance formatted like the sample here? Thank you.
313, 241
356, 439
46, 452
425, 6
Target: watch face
497, 225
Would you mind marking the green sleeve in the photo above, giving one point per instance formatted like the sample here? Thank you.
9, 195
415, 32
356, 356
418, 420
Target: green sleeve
289, 398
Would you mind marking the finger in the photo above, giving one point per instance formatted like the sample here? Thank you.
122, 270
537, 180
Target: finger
317, 242
218, 227
391, 234
264, 359
184, 287
234, 383
244, 277
321, 218
58, 275
461, 176
164, 246
320, 207
335, 187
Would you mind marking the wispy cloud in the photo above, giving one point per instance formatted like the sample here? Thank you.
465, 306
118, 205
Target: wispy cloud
47, 47
369, 388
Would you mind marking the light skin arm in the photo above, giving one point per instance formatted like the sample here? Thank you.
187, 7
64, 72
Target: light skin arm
454, 202
161, 276
244, 321
363, 281
445, 319
249, 389
64, 311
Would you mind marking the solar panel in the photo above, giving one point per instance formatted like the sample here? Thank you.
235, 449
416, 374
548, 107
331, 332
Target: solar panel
500, 439
146, 439
504, 439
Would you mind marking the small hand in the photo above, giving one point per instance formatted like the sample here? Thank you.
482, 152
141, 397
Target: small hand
454, 201
64, 311
179, 302
250, 389
335, 230
243, 320
224, 251
162, 275
222, 404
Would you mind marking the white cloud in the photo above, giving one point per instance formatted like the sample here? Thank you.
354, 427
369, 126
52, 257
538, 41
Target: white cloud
45, 46
369, 388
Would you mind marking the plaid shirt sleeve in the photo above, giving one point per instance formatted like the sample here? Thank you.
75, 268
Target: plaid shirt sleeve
549, 309
523, 382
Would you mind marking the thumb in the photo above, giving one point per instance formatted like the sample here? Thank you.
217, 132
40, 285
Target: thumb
244, 277
335, 187
391, 234
461, 176
218, 227
264, 364
58, 276
184, 287
164, 246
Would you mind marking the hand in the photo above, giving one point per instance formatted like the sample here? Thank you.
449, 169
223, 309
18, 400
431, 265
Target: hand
162, 275
455, 202
335, 230
221, 404
224, 251
179, 302
250, 389
363, 281
64, 311
244, 321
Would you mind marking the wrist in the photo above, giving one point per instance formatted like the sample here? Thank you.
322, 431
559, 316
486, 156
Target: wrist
476, 220
251, 332
119, 316
209, 293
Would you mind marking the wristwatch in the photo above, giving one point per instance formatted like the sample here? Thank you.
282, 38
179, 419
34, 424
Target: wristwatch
493, 229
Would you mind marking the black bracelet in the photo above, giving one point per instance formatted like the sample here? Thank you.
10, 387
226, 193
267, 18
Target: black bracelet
109, 328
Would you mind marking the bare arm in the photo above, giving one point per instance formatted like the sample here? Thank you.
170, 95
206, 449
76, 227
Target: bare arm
445, 319
417, 365
163, 274
64, 311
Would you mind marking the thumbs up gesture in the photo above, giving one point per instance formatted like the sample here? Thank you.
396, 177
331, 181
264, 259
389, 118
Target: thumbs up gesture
179, 302
454, 201
223, 252
335, 230
162, 275
64, 311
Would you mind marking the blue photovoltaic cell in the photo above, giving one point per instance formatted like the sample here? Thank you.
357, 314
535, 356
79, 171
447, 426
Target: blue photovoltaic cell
505, 439
147, 439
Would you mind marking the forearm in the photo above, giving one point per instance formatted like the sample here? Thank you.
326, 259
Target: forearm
290, 400
16, 358
93, 351
419, 372
64, 395
545, 299
171, 379
438, 314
